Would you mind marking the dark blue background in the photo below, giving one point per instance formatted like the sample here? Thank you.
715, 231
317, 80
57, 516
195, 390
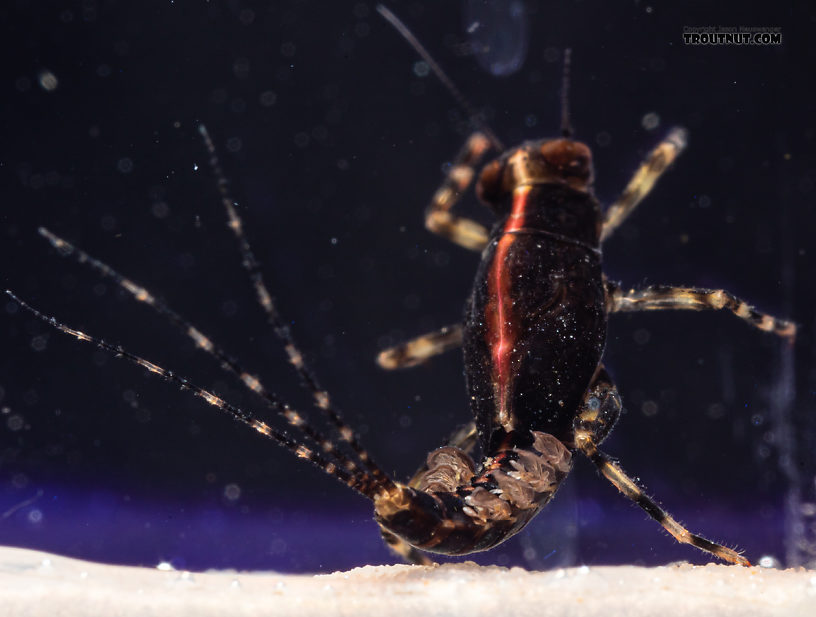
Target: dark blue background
334, 175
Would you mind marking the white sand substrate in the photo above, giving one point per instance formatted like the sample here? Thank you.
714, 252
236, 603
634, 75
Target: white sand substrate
33, 583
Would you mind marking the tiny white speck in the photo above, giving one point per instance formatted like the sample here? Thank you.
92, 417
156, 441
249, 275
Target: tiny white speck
165, 566
768, 561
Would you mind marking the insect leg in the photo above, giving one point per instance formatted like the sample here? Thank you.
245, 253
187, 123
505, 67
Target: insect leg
661, 297
420, 349
281, 329
627, 486
362, 483
438, 218
598, 414
462, 231
656, 162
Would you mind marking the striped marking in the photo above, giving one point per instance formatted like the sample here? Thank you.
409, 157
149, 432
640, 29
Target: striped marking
362, 483
501, 331
201, 341
650, 170
461, 231
659, 297
420, 349
281, 329
612, 472
438, 219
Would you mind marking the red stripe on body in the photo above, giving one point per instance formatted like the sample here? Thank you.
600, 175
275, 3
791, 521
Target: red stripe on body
500, 320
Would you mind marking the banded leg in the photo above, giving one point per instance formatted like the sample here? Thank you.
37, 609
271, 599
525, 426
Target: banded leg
420, 349
438, 218
662, 297
596, 418
612, 472
656, 162
464, 438
321, 397
362, 482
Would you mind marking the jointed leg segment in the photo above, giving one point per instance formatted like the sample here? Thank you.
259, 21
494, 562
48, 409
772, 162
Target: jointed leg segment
597, 416
462, 231
438, 218
422, 348
626, 485
656, 162
662, 297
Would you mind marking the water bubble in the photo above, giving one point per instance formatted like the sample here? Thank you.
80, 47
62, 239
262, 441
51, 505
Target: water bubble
649, 408
234, 144
232, 492
603, 139
421, 68
650, 121
498, 31
15, 422
268, 98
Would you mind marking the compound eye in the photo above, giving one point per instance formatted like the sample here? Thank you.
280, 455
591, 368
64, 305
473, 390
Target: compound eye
568, 159
489, 188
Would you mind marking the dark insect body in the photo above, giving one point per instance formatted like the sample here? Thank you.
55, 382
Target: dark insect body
534, 333
533, 337
536, 322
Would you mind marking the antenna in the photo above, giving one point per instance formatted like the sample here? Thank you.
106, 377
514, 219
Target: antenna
566, 127
474, 117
